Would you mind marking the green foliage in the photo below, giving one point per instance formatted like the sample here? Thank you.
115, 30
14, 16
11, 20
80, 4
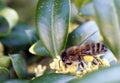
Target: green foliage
107, 75
3, 26
19, 65
38, 49
51, 36
52, 24
21, 37
7, 20
4, 74
53, 78
5, 61
84, 33
87, 10
107, 20
17, 81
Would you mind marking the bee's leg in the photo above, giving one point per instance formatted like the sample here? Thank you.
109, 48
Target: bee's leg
81, 65
99, 60
65, 65
95, 62
59, 63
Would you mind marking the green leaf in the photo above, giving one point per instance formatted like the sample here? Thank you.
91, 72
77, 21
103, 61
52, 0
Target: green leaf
5, 61
108, 75
84, 33
87, 10
21, 37
4, 27
107, 20
38, 49
17, 81
19, 65
4, 74
9, 14
117, 2
52, 78
52, 24
8, 18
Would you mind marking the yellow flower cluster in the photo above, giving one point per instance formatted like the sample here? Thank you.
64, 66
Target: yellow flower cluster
59, 66
75, 69
39, 70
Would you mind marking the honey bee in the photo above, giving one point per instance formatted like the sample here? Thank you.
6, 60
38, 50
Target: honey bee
75, 54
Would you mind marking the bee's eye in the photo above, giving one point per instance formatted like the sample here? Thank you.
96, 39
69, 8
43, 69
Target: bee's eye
64, 56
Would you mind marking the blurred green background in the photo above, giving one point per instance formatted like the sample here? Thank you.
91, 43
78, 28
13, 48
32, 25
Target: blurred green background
24, 8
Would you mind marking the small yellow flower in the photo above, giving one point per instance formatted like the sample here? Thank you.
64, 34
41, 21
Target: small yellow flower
39, 70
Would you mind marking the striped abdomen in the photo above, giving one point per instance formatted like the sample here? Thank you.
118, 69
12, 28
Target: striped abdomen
93, 49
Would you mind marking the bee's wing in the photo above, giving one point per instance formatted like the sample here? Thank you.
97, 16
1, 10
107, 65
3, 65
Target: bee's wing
90, 39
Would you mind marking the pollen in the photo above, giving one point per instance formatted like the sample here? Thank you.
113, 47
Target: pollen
88, 58
106, 63
39, 70
76, 69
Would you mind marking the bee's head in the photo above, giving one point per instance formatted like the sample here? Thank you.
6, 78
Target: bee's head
65, 58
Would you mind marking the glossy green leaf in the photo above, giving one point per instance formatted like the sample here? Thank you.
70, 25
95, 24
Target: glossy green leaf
17, 81
4, 27
38, 49
52, 24
9, 14
53, 78
8, 18
84, 33
19, 65
107, 20
5, 61
21, 37
117, 5
87, 10
108, 75
4, 74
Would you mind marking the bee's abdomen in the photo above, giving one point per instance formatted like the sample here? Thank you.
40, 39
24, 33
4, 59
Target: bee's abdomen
98, 48
94, 49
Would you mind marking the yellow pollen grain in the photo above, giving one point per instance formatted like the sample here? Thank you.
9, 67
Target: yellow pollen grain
39, 70
88, 58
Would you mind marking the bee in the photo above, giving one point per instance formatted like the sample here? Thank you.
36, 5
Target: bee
75, 54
